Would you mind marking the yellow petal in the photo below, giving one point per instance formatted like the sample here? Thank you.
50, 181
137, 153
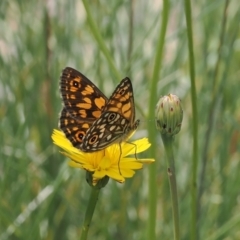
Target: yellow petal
130, 164
146, 160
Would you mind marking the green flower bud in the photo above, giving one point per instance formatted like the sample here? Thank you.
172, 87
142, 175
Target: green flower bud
169, 115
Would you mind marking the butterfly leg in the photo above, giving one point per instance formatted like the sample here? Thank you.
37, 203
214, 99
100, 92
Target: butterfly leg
135, 146
119, 158
135, 154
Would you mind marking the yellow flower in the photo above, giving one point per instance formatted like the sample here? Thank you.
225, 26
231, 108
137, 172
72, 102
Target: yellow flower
112, 162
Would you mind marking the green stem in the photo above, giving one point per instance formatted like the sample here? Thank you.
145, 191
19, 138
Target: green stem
168, 144
215, 98
89, 212
188, 14
152, 209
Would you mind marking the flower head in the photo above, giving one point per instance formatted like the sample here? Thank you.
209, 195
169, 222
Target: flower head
169, 115
112, 162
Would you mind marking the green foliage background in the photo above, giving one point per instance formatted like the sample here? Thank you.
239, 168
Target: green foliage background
41, 197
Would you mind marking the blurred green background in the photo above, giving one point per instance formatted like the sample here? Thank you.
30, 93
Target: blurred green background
40, 196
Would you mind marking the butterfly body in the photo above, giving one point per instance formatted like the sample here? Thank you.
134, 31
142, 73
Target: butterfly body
91, 121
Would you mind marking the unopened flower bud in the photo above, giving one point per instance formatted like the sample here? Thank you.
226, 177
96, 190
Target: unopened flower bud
169, 115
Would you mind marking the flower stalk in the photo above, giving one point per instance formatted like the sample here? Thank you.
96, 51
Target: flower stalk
168, 144
89, 212
169, 117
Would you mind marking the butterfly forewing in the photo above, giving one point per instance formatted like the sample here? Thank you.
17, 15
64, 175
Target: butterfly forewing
116, 122
122, 101
83, 104
82, 99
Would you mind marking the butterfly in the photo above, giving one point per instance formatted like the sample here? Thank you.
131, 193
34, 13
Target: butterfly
89, 119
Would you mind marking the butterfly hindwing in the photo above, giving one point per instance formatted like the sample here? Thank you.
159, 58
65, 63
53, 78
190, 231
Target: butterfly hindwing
74, 129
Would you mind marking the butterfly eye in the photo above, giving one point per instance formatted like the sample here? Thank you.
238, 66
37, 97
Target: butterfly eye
93, 139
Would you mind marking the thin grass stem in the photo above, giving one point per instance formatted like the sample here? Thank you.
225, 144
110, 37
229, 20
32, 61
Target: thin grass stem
101, 44
211, 113
152, 209
188, 15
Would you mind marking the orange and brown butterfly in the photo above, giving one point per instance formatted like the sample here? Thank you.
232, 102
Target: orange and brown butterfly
91, 121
